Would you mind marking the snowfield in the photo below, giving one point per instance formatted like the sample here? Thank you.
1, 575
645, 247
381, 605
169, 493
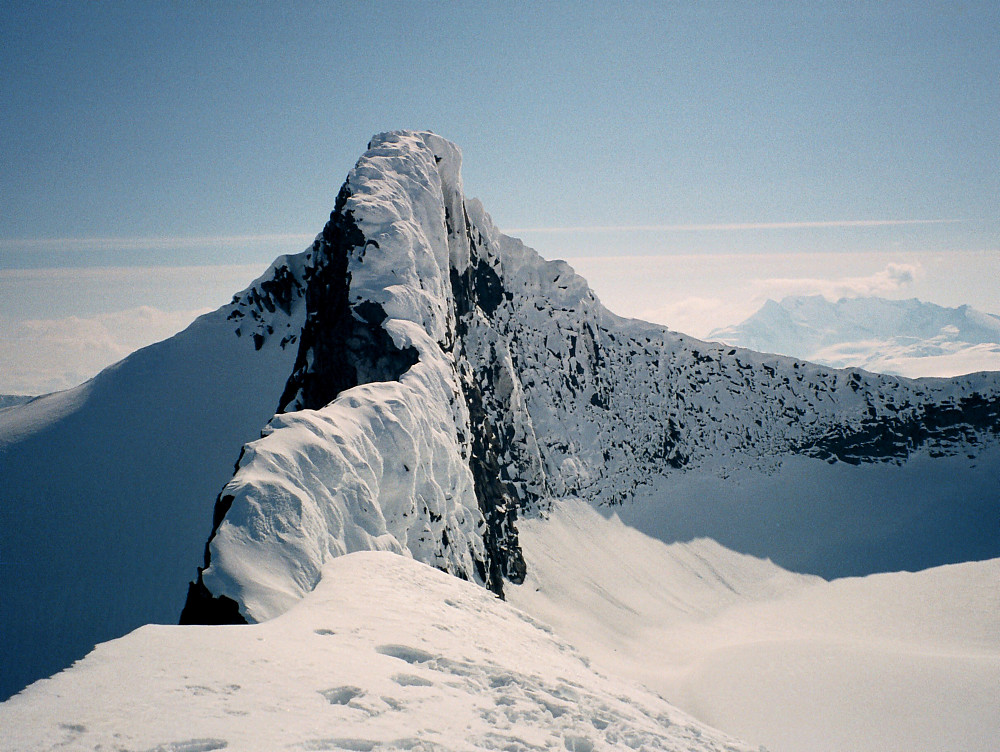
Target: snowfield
650, 647
898, 662
385, 654
431, 416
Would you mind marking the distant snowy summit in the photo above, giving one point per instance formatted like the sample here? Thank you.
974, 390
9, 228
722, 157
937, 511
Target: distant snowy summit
901, 337
12, 400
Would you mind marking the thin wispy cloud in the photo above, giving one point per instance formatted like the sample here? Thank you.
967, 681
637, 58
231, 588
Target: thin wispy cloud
45, 355
149, 243
892, 280
156, 242
738, 226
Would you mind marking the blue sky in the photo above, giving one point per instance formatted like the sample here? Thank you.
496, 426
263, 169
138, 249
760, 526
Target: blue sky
150, 134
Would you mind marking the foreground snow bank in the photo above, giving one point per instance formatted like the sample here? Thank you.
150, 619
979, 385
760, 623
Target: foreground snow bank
386, 653
901, 661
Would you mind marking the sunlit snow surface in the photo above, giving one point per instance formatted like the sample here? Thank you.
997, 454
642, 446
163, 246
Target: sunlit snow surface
899, 662
374, 650
385, 654
388, 653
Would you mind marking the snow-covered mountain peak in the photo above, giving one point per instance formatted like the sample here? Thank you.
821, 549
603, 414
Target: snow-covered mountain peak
448, 378
904, 337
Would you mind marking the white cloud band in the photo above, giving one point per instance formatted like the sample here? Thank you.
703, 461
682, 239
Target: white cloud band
736, 226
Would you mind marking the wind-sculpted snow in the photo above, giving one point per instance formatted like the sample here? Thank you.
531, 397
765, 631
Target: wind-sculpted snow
395, 462
449, 378
400, 484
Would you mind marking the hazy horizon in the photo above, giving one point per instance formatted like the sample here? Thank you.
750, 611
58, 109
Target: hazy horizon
690, 160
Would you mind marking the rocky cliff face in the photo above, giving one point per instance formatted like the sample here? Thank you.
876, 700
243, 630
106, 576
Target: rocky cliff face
449, 379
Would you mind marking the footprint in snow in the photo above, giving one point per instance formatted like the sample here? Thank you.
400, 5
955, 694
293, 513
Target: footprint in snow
409, 680
405, 653
192, 745
341, 695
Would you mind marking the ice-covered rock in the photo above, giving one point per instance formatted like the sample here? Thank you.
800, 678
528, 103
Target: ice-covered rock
449, 378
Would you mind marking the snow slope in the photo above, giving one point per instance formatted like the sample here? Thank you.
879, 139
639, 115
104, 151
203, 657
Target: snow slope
834, 519
106, 491
903, 337
385, 654
899, 661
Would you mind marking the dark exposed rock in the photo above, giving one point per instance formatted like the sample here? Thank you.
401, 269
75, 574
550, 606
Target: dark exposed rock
340, 347
280, 289
895, 437
479, 287
201, 607
253, 308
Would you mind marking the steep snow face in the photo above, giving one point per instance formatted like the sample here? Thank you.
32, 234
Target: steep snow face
105, 489
385, 654
902, 337
433, 338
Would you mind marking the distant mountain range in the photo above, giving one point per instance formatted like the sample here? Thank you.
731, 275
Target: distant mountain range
900, 337
10, 400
